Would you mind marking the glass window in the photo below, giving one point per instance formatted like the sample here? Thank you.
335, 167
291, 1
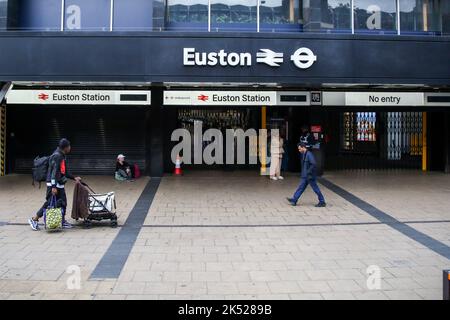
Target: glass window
88, 15
375, 16
187, 14
445, 17
279, 15
3, 13
133, 15
418, 16
39, 15
159, 14
233, 15
331, 15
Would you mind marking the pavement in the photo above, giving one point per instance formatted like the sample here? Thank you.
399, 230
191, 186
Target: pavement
232, 235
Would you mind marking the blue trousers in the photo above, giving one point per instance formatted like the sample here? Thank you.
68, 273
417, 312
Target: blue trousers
304, 182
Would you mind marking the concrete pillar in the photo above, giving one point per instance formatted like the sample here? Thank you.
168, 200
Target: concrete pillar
155, 135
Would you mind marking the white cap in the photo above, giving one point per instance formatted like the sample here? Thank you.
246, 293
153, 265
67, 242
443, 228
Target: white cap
120, 156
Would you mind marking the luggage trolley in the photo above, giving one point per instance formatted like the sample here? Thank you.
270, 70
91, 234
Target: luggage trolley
102, 206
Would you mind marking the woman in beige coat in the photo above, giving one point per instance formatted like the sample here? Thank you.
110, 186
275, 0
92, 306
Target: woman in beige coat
276, 154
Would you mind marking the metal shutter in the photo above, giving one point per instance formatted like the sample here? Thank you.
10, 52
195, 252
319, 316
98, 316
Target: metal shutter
97, 134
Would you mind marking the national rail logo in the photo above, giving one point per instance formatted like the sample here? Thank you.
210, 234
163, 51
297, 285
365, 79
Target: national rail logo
43, 96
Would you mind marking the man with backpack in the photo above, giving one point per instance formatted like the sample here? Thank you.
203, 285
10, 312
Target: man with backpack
57, 175
308, 176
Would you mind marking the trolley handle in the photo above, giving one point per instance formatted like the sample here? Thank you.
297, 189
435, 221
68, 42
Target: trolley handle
87, 186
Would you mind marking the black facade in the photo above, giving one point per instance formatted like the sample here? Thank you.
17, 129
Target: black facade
154, 62
158, 57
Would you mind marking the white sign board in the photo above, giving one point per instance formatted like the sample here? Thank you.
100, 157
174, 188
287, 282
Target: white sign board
79, 97
384, 99
220, 98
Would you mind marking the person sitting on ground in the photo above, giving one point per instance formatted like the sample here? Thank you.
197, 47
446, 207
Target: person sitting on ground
123, 169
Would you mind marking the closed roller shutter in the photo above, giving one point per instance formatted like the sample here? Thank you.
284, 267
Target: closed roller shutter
97, 135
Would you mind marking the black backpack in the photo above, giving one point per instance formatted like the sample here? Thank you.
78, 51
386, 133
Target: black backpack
40, 169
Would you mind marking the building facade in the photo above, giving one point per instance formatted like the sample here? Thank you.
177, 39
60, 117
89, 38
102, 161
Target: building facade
370, 78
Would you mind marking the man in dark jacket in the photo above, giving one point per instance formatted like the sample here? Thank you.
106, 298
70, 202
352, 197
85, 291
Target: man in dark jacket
57, 176
308, 176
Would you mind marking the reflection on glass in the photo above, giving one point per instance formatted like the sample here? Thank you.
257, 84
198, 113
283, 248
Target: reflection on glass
234, 14
3, 14
375, 15
191, 14
445, 16
278, 14
419, 15
159, 13
137, 15
331, 15
279, 11
36, 15
188, 10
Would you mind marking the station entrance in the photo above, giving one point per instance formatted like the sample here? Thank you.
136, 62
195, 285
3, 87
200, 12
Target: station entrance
287, 120
345, 140
376, 140
197, 122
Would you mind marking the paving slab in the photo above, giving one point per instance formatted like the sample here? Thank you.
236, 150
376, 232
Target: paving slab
231, 235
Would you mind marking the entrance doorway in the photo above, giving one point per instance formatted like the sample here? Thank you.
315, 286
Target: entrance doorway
200, 120
289, 120
375, 140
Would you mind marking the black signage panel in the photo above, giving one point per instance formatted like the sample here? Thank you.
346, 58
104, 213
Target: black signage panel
220, 57
293, 98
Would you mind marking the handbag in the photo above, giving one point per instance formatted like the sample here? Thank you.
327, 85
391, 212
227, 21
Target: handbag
53, 216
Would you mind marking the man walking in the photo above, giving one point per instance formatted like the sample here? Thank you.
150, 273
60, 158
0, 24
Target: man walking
308, 176
57, 176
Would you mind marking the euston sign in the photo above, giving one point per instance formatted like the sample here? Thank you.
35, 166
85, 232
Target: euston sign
79, 97
220, 98
302, 58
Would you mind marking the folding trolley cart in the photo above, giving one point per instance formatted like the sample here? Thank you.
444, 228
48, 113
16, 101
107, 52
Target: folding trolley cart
102, 206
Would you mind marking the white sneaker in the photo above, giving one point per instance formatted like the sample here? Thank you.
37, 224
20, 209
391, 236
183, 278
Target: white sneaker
33, 224
274, 178
280, 178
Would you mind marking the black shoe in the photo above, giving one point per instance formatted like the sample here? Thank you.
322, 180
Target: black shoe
291, 201
321, 205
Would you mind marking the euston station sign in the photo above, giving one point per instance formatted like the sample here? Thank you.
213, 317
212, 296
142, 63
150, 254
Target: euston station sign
79, 97
220, 98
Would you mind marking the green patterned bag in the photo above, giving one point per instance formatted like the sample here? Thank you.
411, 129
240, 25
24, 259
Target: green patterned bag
53, 216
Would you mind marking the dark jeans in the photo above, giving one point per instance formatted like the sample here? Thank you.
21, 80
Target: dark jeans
302, 187
61, 201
